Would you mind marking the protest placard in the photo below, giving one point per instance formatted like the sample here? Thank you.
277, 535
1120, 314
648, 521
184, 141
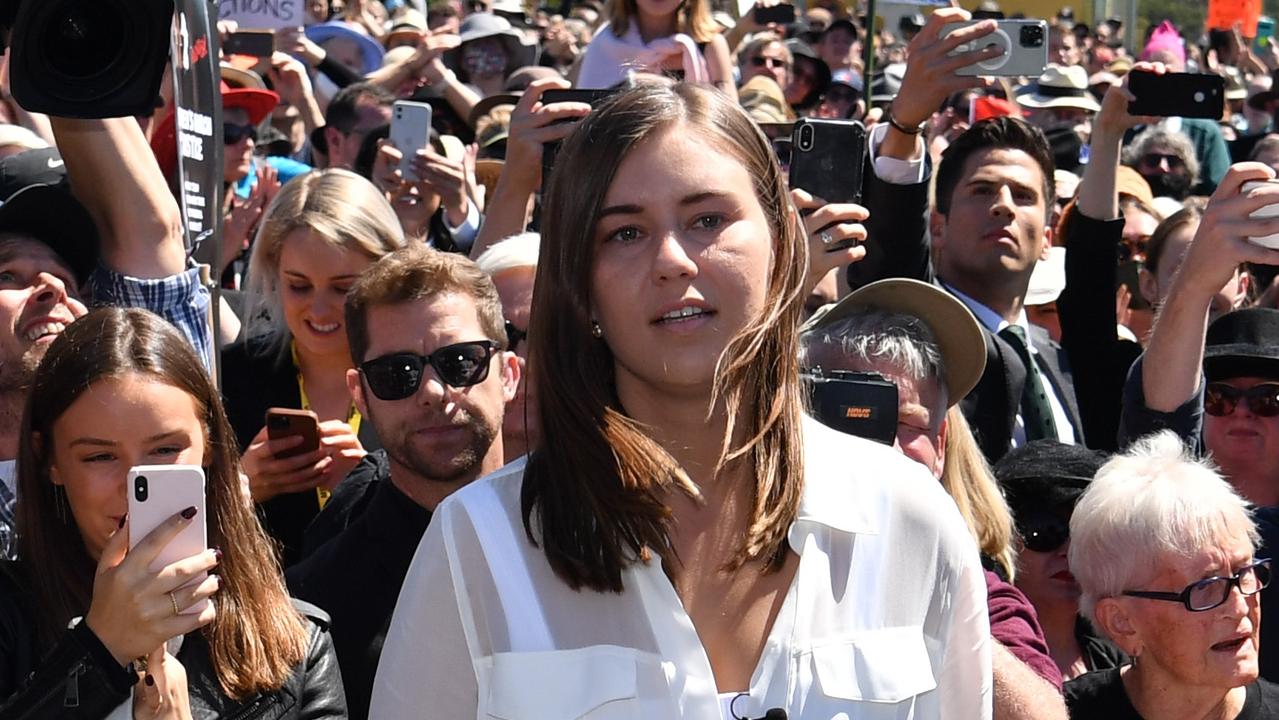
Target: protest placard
263, 14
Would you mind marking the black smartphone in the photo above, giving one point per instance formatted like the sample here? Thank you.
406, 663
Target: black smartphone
255, 43
591, 97
1191, 95
826, 160
782, 14
861, 404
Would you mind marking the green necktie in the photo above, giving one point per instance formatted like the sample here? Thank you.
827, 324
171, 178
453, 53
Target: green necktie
1036, 410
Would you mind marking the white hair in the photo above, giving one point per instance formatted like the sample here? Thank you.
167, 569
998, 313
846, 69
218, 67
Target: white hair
1147, 504
516, 251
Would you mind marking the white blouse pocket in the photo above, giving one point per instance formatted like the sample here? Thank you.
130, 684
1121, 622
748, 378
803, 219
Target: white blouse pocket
593, 683
881, 666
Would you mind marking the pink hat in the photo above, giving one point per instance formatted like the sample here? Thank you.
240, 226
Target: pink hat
1165, 37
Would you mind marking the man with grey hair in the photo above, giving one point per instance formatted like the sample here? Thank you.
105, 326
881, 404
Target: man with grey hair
929, 345
512, 265
1166, 159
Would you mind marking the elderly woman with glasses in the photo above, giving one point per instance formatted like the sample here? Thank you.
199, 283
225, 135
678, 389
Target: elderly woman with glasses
1163, 549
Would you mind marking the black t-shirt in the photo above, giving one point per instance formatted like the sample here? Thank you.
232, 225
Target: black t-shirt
1100, 696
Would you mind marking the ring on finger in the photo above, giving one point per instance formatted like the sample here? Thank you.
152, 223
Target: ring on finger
174, 599
826, 237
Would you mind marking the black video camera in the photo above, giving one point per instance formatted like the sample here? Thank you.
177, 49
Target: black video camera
87, 58
861, 404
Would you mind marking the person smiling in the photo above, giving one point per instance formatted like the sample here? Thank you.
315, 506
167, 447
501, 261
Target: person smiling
88, 618
322, 230
1162, 548
681, 544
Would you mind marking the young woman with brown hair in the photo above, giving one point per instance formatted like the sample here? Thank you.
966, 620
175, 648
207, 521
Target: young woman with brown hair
121, 388
684, 543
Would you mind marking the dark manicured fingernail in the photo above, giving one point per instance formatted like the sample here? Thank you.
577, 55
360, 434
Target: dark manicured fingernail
122, 521
150, 681
217, 554
188, 513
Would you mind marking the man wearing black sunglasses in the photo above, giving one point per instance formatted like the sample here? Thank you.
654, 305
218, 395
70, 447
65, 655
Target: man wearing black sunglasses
433, 375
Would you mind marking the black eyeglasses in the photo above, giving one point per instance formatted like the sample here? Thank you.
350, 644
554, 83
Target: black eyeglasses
772, 63
1210, 592
399, 375
232, 133
1043, 531
514, 335
1262, 400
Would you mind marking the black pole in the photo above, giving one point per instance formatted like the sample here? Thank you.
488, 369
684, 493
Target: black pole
868, 49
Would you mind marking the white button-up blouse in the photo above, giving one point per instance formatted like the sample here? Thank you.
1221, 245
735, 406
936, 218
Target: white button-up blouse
886, 616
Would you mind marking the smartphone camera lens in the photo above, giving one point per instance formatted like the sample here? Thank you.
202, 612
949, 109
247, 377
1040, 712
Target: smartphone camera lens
277, 422
1032, 36
806, 137
140, 488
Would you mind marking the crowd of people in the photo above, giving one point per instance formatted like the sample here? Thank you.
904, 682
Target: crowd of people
563, 365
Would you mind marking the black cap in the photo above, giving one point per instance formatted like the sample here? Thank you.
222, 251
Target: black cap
31, 167
49, 214
1243, 343
911, 21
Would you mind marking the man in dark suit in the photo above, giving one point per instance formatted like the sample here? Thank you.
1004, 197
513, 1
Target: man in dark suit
989, 226
434, 377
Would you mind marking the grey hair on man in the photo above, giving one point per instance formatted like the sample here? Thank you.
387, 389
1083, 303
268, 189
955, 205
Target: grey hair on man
877, 338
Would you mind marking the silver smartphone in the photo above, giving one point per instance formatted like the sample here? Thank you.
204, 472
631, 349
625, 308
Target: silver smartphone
1024, 44
410, 132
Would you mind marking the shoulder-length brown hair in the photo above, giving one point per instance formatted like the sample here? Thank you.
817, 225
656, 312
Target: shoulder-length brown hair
258, 637
693, 18
594, 489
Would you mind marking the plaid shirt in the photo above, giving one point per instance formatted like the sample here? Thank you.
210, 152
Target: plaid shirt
181, 299
8, 523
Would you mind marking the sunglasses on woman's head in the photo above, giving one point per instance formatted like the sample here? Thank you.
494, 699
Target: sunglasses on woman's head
399, 375
1262, 400
232, 133
1043, 531
1212, 592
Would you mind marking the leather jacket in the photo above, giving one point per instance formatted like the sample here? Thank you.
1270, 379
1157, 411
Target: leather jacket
80, 680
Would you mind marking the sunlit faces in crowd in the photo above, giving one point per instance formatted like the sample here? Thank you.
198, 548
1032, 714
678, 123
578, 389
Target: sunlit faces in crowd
680, 265
315, 275
39, 297
114, 425
440, 432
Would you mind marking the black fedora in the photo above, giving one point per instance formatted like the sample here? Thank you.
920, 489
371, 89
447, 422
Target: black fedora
1243, 343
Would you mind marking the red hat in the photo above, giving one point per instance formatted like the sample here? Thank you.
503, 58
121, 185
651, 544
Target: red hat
257, 103
989, 107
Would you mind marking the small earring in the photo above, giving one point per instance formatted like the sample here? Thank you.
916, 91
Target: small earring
60, 503
596, 330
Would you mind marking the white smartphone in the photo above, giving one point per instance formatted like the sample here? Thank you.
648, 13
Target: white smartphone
410, 132
1024, 44
1267, 241
157, 493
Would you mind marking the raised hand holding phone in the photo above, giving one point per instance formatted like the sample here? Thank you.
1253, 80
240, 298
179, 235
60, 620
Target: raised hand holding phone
132, 609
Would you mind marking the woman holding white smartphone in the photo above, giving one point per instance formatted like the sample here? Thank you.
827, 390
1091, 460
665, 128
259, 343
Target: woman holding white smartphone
85, 621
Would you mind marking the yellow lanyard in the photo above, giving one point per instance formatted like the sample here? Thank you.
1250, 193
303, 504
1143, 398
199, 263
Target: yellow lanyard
352, 417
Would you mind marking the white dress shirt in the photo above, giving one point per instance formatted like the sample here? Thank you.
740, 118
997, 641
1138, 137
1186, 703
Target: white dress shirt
885, 618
